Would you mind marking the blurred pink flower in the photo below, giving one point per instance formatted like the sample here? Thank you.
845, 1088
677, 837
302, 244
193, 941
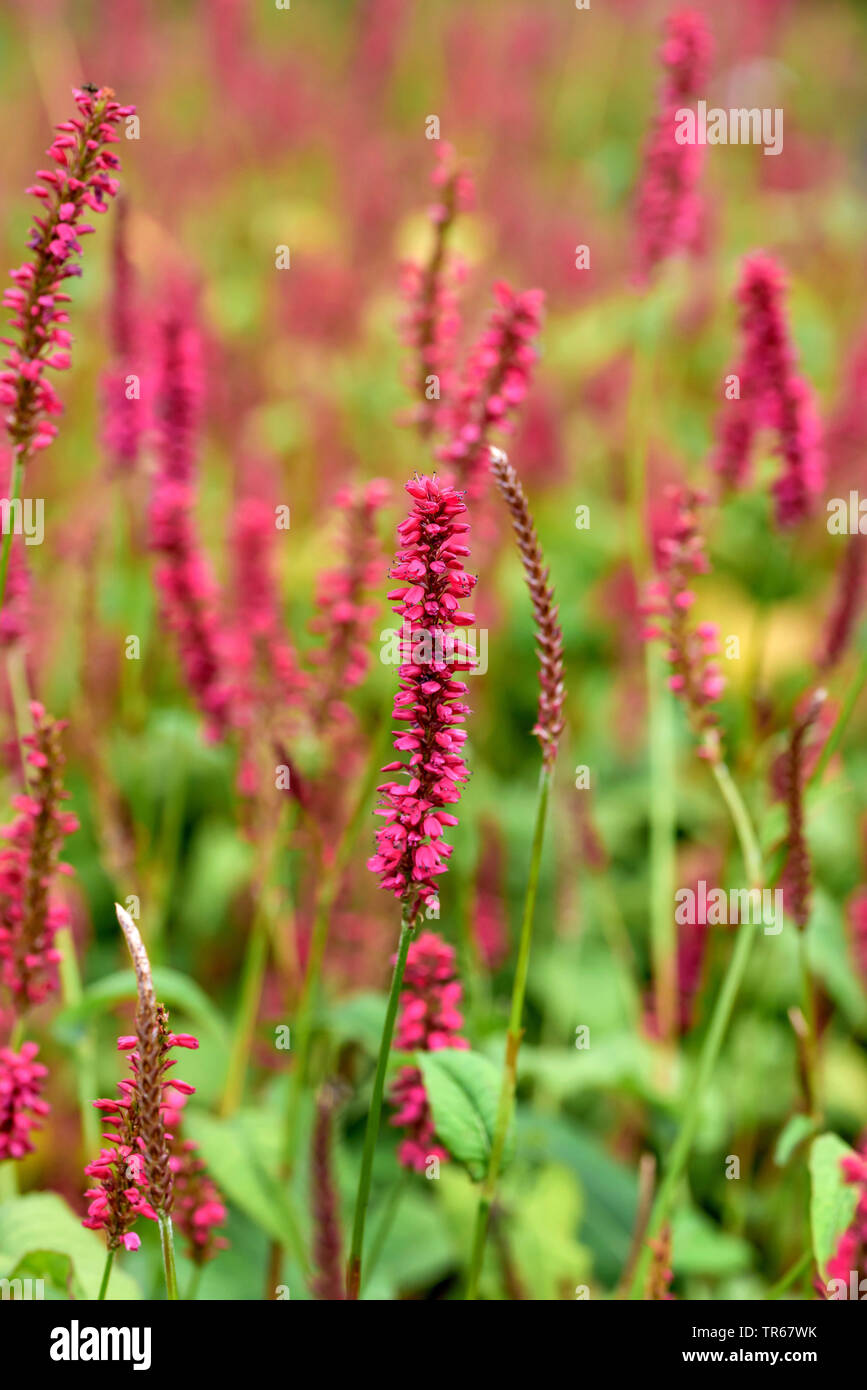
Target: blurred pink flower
21, 1103
668, 212
772, 396
188, 590
495, 381
428, 1022
30, 912
695, 674
83, 179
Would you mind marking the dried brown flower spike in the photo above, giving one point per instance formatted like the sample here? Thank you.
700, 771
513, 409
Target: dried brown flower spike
549, 638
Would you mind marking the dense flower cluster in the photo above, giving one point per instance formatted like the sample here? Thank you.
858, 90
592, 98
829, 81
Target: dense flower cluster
772, 396
411, 852
344, 612
197, 1209
21, 1103
429, 1021
668, 215
695, 676
431, 324
133, 1172
83, 179
187, 587
30, 912
495, 380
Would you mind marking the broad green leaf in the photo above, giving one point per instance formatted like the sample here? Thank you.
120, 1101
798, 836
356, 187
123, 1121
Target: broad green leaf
463, 1089
49, 1266
173, 989
243, 1170
41, 1223
833, 1201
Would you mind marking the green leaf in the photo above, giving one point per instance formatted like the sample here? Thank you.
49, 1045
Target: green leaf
833, 1201
173, 988
39, 1225
796, 1129
241, 1165
463, 1089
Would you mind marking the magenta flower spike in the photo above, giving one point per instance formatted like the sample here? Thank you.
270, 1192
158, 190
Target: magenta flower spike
411, 852
82, 181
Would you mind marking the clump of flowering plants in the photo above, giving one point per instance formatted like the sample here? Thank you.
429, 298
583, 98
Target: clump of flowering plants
497, 824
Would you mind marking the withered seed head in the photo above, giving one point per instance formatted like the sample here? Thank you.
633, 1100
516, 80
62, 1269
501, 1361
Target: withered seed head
152, 1032
549, 638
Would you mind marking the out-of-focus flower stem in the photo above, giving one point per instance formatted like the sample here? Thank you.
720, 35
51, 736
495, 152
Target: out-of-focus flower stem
663, 937
14, 494
252, 977
103, 1288
506, 1102
331, 875
713, 1040
167, 1241
353, 1269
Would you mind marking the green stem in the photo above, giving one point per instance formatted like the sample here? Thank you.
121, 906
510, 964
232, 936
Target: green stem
833, 740
386, 1222
168, 1247
103, 1288
811, 1038
353, 1272
17, 478
790, 1276
252, 979
513, 1042
331, 877
722, 1012
193, 1286
85, 1047
663, 934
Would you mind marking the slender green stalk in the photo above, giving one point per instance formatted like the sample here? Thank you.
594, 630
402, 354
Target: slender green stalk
353, 1271
663, 935
331, 877
810, 1040
252, 979
833, 741
788, 1279
103, 1288
85, 1046
513, 1041
722, 1012
8, 1180
193, 1286
167, 1241
6, 550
